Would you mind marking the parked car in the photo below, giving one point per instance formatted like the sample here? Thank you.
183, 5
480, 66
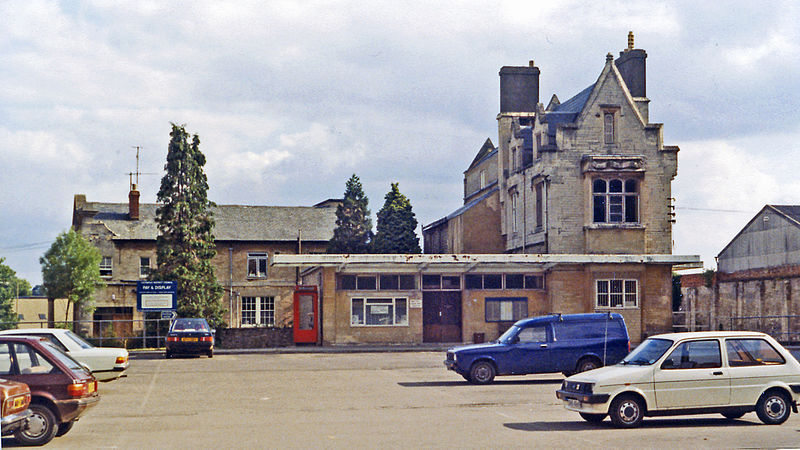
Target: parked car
190, 336
62, 389
15, 398
106, 363
565, 343
731, 373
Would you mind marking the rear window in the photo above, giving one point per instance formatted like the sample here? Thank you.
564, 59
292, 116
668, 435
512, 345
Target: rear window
751, 352
73, 365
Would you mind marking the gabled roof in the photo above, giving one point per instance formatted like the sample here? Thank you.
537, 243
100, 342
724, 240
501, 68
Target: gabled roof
232, 222
484, 152
469, 205
565, 112
790, 212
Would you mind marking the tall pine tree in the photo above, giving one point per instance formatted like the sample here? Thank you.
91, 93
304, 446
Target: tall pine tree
185, 244
353, 230
397, 225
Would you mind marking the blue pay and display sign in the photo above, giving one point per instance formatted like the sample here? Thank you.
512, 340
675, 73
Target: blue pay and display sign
156, 295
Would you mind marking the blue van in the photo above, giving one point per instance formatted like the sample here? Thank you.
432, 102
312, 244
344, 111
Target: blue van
568, 343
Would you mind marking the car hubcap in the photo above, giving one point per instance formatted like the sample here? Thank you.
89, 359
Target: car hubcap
629, 411
36, 425
482, 373
775, 407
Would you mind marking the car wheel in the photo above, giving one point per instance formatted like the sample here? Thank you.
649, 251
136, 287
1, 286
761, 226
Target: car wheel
627, 411
732, 415
588, 364
167, 354
482, 372
211, 353
41, 427
64, 428
593, 418
773, 408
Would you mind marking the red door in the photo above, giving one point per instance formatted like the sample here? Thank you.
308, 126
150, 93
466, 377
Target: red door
306, 314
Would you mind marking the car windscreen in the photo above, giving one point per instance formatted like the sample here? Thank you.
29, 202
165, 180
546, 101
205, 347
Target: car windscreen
510, 333
66, 360
78, 340
648, 352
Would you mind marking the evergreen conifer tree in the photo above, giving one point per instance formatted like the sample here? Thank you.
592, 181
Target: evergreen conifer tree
185, 244
397, 225
353, 230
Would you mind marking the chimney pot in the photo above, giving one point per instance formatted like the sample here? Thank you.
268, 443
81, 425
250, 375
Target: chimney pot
630, 40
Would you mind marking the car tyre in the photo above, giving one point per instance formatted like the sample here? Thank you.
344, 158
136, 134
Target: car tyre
64, 428
732, 415
211, 353
593, 418
482, 372
773, 408
627, 411
42, 426
167, 354
588, 363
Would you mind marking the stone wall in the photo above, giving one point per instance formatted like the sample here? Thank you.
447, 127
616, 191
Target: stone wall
259, 337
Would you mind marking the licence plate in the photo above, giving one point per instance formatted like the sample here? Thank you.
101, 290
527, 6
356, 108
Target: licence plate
572, 403
188, 339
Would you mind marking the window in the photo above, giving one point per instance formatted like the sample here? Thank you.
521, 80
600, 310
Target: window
608, 128
483, 179
539, 206
534, 281
514, 197
615, 200
378, 312
520, 281
106, 266
694, 355
751, 352
376, 282
441, 282
30, 361
617, 293
258, 311
506, 309
144, 267
532, 335
397, 282
257, 265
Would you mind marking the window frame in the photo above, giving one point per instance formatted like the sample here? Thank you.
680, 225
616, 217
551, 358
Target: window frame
258, 257
609, 127
147, 269
109, 268
360, 321
608, 199
510, 302
262, 314
625, 293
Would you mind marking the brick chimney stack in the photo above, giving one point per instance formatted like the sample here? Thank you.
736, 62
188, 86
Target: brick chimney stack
133, 203
632, 66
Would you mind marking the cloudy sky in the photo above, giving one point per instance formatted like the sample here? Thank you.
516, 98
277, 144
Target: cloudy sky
290, 98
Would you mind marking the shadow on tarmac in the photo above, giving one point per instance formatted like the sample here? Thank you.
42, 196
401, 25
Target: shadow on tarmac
466, 383
580, 425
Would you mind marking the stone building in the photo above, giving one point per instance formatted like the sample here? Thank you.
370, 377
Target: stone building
246, 238
757, 281
569, 213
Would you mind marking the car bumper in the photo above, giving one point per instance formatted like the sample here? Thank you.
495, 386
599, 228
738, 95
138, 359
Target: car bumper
452, 365
71, 409
14, 422
577, 401
189, 347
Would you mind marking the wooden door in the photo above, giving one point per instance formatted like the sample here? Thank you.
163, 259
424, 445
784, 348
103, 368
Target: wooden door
441, 316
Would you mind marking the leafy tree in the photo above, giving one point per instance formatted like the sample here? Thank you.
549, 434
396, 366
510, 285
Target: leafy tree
11, 287
185, 244
71, 270
353, 230
397, 225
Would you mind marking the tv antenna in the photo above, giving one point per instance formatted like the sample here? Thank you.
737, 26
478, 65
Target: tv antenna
137, 173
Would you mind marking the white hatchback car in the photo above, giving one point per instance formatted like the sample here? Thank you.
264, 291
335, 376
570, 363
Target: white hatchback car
727, 372
106, 363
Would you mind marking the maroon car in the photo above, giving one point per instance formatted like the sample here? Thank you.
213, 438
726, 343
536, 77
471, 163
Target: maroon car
61, 388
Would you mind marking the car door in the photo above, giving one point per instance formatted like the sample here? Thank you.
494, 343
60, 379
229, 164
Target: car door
530, 352
692, 376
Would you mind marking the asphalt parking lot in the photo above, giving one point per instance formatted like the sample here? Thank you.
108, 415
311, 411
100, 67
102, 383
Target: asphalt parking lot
366, 400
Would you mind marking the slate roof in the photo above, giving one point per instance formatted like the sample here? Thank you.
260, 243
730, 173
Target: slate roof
232, 222
486, 150
464, 208
566, 112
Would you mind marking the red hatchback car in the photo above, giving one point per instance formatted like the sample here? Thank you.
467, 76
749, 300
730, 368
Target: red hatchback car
61, 388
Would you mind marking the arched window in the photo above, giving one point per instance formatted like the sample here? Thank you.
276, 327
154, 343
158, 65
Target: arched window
615, 200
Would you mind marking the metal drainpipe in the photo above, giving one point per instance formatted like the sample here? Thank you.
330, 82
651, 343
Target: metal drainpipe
230, 283
524, 216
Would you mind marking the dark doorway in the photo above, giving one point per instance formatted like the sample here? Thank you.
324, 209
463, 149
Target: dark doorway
441, 316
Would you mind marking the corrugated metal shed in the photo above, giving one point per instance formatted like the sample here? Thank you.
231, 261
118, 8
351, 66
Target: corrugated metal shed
770, 239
